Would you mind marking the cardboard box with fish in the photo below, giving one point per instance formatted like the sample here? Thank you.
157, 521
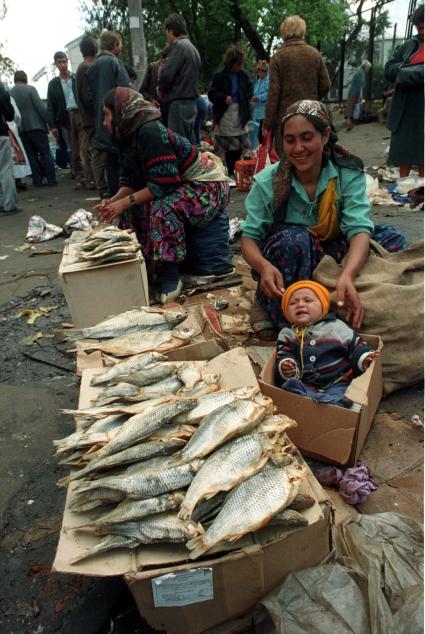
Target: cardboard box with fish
211, 505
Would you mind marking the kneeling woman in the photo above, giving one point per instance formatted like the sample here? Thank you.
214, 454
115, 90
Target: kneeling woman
313, 202
165, 183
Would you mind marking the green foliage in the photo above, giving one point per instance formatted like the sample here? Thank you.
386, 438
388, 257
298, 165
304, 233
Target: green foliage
215, 24
7, 66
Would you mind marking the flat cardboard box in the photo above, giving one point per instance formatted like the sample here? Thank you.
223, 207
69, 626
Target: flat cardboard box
236, 576
327, 432
96, 292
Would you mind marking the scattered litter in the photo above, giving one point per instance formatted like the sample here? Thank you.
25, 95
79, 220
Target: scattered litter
390, 174
39, 230
236, 324
46, 252
24, 247
235, 228
221, 304
376, 195
80, 220
31, 339
35, 314
417, 422
29, 502
210, 296
355, 485
3, 257
405, 184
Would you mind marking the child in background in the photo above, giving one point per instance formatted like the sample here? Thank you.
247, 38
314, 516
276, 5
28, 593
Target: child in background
318, 354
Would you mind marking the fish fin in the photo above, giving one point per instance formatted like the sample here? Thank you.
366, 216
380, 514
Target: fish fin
184, 513
197, 546
73, 334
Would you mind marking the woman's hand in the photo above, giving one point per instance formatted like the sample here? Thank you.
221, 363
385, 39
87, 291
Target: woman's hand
271, 283
346, 295
108, 211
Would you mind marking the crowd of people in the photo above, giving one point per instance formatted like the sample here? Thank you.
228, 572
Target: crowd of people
140, 149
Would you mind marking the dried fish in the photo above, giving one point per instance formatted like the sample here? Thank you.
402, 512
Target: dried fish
161, 527
140, 341
250, 506
289, 519
211, 402
131, 510
148, 483
222, 424
150, 374
137, 362
137, 319
235, 462
112, 542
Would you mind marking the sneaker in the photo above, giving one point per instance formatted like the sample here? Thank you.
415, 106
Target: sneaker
11, 212
165, 298
231, 181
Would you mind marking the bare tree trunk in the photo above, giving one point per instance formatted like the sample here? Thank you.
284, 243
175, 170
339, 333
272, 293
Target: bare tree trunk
251, 34
137, 35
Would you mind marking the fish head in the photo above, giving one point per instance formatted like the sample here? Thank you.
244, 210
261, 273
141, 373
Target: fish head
246, 392
265, 401
277, 423
175, 315
183, 332
185, 404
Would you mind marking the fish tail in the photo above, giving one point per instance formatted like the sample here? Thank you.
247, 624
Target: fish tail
197, 546
185, 512
73, 334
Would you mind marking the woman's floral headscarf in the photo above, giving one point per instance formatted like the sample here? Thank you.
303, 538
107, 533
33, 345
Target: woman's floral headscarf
321, 118
131, 112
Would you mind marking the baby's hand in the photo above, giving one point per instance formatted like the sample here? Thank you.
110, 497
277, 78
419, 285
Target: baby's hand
288, 368
369, 359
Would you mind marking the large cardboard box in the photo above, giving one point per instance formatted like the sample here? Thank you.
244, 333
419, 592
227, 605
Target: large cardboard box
327, 432
96, 292
187, 597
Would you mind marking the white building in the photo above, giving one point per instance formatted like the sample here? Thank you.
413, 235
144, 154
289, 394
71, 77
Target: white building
72, 49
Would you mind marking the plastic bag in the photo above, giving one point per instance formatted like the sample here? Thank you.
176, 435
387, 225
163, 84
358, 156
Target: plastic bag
266, 154
373, 587
39, 230
79, 220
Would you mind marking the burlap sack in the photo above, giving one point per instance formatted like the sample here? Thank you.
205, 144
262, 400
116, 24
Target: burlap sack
390, 286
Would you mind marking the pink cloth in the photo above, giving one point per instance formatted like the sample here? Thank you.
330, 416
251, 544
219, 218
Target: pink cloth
355, 485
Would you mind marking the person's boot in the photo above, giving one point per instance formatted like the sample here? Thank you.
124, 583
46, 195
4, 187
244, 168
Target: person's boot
171, 285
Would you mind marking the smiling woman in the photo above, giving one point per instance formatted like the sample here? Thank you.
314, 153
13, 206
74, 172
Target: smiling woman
313, 202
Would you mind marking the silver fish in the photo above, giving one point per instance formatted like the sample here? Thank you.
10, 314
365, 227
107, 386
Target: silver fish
131, 510
167, 386
211, 402
142, 425
115, 393
139, 452
117, 408
96, 497
137, 319
100, 432
150, 374
148, 483
140, 341
289, 519
250, 506
222, 424
111, 542
127, 366
232, 464
161, 527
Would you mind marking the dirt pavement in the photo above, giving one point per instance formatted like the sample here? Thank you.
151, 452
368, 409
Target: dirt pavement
33, 600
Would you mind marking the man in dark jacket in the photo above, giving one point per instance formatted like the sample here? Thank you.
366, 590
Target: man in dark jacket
107, 72
8, 197
178, 80
34, 130
63, 116
88, 48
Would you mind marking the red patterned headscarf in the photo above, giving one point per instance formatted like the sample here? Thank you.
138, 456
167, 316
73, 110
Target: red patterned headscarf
131, 112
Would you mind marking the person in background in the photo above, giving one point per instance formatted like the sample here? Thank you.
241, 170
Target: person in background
202, 113
107, 72
178, 79
230, 92
297, 71
165, 186
93, 178
132, 75
406, 119
63, 115
21, 165
8, 197
356, 92
259, 98
149, 86
34, 130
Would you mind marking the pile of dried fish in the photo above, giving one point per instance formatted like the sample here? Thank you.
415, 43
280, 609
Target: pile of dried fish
181, 459
135, 332
107, 245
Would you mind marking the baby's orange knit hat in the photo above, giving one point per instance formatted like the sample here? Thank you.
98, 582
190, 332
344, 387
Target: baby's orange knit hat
320, 291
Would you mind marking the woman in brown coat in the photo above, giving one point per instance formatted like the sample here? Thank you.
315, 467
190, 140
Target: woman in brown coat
297, 71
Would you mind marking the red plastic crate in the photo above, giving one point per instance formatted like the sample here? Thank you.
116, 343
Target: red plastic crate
244, 172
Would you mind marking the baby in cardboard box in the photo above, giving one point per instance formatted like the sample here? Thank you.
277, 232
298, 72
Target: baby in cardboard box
318, 354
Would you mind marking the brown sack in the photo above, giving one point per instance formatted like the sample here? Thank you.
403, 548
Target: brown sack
390, 287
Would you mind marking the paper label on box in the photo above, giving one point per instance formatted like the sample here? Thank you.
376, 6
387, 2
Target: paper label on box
183, 588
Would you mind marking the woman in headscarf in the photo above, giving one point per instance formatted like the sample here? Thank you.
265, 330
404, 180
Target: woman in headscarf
165, 186
313, 202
